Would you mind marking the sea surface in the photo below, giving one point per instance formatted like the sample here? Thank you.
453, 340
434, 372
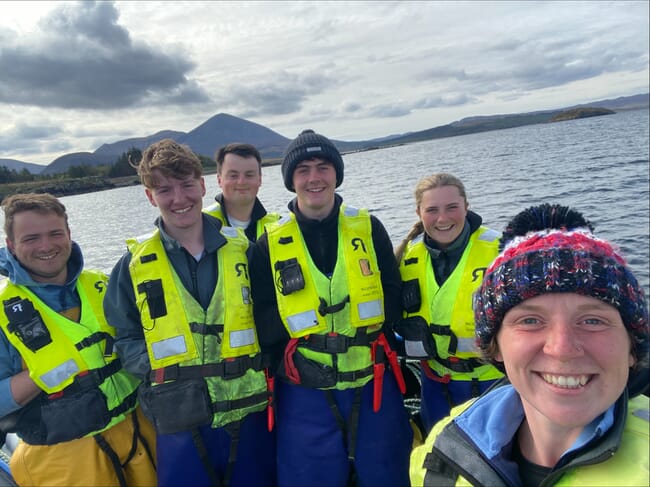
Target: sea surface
599, 166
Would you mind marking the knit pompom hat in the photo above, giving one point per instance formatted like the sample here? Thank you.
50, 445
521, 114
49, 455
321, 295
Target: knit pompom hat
556, 257
309, 145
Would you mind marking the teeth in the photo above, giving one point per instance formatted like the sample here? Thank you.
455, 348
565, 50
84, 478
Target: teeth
566, 381
183, 210
444, 228
48, 256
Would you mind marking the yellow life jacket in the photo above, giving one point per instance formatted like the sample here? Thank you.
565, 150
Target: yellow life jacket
182, 338
628, 466
76, 358
347, 307
216, 211
448, 308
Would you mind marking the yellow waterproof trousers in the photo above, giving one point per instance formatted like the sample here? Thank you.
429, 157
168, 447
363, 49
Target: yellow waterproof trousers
83, 463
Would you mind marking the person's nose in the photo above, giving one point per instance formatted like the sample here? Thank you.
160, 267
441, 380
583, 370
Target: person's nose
563, 341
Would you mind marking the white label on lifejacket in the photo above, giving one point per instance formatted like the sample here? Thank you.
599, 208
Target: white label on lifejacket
170, 346
415, 349
467, 345
489, 235
60, 373
302, 321
369, 309
242, 338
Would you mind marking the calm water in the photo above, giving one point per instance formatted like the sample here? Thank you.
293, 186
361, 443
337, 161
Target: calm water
598, 165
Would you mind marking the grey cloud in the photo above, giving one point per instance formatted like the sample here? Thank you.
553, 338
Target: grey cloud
24, 137
84, 59
283, 93
389, 111
447, 100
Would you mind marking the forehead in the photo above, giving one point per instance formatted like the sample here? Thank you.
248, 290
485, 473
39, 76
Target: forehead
441, 195
32, 221
234, 162
317, 161
160, 179
565, 302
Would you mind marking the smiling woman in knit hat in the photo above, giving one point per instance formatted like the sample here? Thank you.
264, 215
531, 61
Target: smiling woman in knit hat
559, 311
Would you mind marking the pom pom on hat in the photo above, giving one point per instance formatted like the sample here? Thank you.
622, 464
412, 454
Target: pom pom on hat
309, 145
550, 249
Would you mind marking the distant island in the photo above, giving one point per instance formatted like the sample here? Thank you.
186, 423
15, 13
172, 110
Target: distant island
583, 112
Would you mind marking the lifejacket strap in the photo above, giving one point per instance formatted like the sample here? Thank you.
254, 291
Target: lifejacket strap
336, 343
227, 369
225, 406
323, 309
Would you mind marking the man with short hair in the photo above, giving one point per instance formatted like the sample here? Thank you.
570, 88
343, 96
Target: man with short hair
180, 301
326, 291
239, 174
62, 388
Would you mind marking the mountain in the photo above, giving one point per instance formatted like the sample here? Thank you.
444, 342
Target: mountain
20, 165
123, 146
223, 128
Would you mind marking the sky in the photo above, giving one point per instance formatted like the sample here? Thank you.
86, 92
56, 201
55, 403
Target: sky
76, 75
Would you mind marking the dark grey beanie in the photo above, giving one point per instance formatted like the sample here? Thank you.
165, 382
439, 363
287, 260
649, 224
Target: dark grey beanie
309, 145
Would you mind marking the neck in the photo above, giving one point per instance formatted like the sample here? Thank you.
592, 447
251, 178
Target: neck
545, 445
191, 239
316, 213
240, 212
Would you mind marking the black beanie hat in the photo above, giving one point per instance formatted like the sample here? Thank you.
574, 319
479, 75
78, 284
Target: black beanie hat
309, 145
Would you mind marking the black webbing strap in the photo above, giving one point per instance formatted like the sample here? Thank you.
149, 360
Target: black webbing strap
96, 338
323, 309
205, 460
466, 365
335, 411
354, 423
207, 329
445, 392
128, 403
233, 430
475, 387
92, 379
353, 375
140, 437
442, 330
227, 369
351, 427
336, 343
146, 446
112, 456
225, 406
134, 440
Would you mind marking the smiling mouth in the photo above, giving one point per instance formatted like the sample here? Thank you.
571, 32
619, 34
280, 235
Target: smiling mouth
182, 210
566, 381
444, 229
48, 256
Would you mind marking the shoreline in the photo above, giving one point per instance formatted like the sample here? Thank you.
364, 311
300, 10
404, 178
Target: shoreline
73, 186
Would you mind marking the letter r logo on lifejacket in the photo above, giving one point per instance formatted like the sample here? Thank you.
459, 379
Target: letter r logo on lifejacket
239, 268
356, 242
478, 273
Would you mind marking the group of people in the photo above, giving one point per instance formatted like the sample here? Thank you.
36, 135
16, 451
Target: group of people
234, 347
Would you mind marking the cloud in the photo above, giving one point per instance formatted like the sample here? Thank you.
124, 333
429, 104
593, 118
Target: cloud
82, 58
280, 93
